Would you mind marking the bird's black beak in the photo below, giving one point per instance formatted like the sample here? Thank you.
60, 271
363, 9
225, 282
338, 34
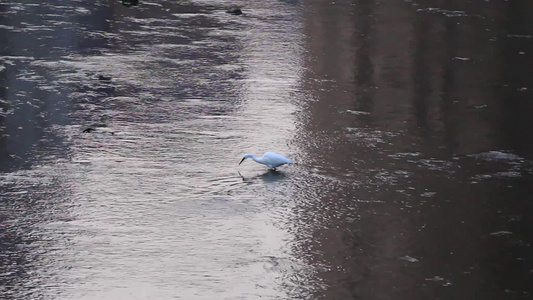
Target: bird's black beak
242, 160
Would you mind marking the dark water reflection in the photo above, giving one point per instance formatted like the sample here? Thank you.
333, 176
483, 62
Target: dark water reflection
422, 114
409, 122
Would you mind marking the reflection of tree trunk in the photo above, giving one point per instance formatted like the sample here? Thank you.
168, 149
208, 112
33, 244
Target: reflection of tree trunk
448, 84
4, 80
364, 70
518, 76
420, 72
3, 95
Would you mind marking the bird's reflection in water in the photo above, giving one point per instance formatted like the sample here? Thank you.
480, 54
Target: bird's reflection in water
269, 176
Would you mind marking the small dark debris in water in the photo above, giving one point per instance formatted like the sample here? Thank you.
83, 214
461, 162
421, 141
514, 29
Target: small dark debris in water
129, 3
104, 78
88, 130
234, 11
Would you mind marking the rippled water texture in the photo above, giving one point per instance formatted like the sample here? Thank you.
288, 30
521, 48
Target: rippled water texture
121, 127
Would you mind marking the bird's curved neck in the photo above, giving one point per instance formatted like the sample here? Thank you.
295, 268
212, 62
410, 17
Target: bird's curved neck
257, 159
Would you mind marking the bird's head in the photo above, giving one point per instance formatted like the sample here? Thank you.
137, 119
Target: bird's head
245, 157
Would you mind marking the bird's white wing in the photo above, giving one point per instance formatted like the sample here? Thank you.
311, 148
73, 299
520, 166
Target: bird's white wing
274, 159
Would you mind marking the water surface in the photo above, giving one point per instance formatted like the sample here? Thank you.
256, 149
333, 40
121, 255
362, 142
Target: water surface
408, 121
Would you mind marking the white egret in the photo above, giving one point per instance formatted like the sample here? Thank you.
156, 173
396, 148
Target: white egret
270, 159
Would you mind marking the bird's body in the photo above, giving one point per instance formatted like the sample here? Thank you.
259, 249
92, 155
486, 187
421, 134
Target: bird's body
269, 159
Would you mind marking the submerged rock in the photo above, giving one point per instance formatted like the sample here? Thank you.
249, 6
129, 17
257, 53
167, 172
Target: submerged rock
234, 11
104, 78
129, 3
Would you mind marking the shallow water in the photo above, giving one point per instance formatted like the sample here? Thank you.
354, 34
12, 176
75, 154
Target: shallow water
408, 121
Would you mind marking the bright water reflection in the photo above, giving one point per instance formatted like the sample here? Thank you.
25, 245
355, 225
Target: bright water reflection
150, 203
412, 175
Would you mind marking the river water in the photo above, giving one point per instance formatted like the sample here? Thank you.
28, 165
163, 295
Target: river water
409, 122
